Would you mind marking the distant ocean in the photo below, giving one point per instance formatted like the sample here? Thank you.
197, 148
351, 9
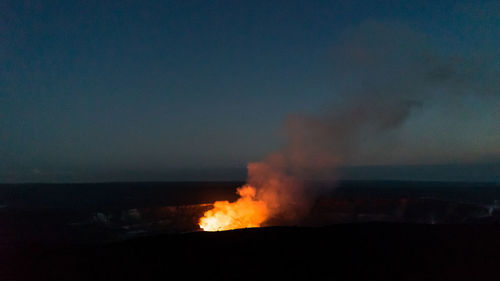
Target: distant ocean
475, 172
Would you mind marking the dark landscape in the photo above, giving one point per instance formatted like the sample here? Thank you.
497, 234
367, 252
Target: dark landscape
361, 230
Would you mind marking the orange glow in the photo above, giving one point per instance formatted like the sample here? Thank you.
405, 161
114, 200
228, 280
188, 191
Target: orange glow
247, 211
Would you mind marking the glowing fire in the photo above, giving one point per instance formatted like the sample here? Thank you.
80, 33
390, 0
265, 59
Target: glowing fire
247, 211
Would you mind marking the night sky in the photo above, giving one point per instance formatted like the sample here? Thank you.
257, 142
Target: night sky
188, 90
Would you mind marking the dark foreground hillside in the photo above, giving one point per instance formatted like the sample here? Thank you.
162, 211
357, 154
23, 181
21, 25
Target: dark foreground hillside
370, 251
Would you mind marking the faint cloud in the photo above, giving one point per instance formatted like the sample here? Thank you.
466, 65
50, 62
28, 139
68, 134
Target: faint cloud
36, 171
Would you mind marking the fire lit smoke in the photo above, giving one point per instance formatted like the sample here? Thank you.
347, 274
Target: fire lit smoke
247, 211
385, 74
273, 191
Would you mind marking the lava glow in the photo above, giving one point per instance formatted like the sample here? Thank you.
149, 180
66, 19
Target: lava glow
247, 211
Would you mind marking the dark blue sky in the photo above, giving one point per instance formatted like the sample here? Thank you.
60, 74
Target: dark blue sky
135, 88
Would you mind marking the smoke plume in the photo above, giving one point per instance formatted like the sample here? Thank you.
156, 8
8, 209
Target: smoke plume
383, 73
